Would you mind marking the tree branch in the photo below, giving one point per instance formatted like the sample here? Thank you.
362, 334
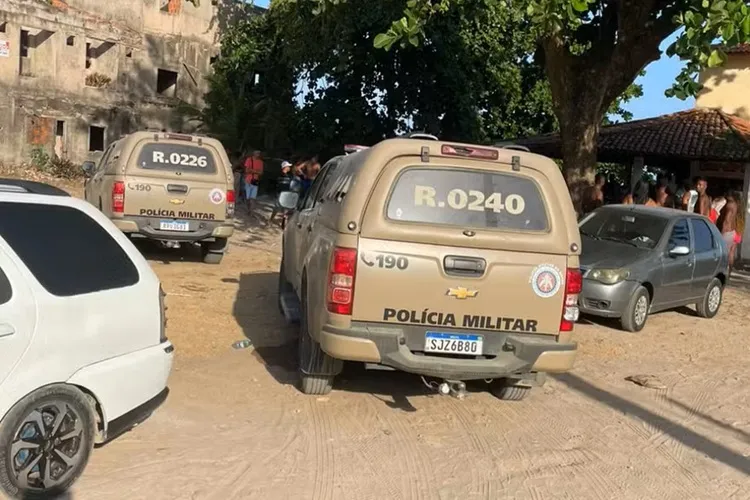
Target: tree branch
638, 45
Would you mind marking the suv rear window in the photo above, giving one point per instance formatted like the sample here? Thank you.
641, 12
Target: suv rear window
177, 157
66, 250
467, 198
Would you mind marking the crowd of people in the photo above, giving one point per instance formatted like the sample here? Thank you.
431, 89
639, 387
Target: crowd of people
724, 211
297, 176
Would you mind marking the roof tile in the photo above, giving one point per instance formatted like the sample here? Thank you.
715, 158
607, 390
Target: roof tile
696, 134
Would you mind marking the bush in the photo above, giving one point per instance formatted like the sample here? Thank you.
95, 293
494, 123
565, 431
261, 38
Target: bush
54, 166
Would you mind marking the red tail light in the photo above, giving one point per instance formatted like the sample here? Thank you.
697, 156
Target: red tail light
341, 280
570, 312
118, 197
230, 204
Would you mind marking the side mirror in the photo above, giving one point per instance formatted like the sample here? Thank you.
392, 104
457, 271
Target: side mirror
288, 200
88, 168
679, 251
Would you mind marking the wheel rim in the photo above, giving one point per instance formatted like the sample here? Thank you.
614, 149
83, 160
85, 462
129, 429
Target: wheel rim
641, 308
714, 298
47, 446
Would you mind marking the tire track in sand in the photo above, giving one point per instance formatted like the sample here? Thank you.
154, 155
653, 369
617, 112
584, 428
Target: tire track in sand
418, 475
652, 437
239, 479
322, 450
539, 420
481, 486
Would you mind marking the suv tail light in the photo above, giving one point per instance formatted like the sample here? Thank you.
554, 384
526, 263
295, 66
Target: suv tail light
118, 197
162, 316
341, 280
230, 204
570, 312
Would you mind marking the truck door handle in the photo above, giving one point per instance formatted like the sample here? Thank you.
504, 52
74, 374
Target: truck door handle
177, 188
6, 330
464, 266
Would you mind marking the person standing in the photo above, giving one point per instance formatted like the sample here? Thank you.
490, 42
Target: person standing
593, 198
253, 173
703, 203
662, 192
729, 220
283, 184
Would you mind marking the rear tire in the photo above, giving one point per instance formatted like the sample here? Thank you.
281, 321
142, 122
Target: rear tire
312, 358
709, 306
71, 435
636, 313
506, 391
284, 286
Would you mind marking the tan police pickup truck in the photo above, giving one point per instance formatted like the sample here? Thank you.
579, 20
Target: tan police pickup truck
168, 187
451, 261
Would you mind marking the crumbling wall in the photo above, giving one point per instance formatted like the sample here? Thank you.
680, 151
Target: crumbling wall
68, 65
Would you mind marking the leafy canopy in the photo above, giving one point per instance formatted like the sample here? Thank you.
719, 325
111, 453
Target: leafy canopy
582, 24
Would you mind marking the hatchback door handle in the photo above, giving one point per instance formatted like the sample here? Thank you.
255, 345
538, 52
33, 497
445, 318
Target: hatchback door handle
6, 330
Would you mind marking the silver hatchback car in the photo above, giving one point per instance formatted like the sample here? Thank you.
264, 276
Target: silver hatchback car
637, 260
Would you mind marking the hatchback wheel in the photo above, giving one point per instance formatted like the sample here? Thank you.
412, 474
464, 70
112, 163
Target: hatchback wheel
709, 306
634, 317
45, 443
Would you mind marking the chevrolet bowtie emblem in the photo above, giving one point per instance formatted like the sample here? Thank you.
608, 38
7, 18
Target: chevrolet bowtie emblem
175, 201
462, 293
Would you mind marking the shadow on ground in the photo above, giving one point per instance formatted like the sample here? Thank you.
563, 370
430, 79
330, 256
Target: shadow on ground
678, 432
256, 311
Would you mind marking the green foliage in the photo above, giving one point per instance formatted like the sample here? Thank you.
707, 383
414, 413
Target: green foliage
475, 80
54, 166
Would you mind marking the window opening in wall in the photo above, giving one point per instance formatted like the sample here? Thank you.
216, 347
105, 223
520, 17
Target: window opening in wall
213, 60
3, 27
25, 43
71, 41
128, 53
88, 55
60, 128
166, 82
96, 138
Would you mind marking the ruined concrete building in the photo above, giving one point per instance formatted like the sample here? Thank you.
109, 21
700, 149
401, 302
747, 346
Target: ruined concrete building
77, 74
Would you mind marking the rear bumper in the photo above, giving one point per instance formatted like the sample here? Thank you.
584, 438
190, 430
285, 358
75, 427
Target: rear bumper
135, 416
148, 227
607, 301
401, 348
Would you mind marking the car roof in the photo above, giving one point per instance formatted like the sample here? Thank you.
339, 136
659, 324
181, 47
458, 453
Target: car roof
661, 212
30, 187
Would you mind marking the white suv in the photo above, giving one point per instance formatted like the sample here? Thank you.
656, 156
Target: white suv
83, 351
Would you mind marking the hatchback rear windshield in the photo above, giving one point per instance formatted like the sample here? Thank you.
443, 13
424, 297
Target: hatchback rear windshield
177, 157
468, 198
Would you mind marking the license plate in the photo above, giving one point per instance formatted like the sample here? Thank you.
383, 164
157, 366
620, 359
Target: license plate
453, 343
174, 225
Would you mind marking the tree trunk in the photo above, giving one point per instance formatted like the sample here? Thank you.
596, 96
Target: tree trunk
579, 132
579, 91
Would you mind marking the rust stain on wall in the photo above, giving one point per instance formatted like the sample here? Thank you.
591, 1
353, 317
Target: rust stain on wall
173, 7
40, 130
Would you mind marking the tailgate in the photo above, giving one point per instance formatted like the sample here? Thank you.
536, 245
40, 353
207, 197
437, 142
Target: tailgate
465, 245
459, 288
176, 180
147, 196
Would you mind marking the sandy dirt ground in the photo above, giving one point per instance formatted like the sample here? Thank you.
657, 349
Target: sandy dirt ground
235, 426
